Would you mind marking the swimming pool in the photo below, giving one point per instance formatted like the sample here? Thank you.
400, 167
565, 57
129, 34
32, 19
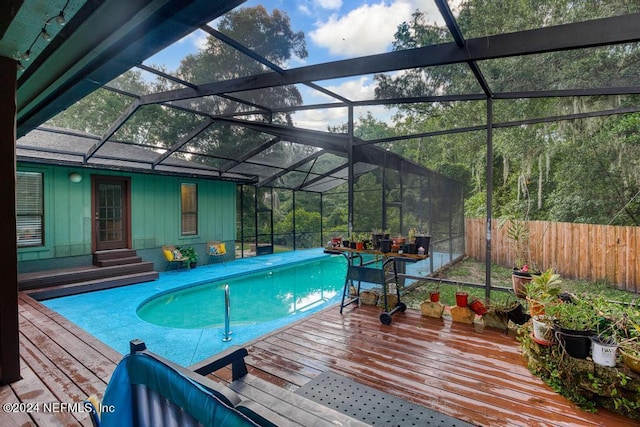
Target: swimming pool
255, 298
112, 315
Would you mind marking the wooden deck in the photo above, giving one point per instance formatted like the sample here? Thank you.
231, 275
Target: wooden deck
461, 370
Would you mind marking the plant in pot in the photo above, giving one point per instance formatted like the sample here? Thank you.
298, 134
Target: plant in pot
575, 321
190, 253
629, 333
422, 240
432, 307
518, 234
412, 248
462, 298
376, 238
500, 312
542, 290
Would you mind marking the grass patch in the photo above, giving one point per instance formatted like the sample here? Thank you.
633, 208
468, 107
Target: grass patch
470, 271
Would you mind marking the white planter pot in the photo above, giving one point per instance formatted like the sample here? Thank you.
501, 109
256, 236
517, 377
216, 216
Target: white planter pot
602, 353
541, 330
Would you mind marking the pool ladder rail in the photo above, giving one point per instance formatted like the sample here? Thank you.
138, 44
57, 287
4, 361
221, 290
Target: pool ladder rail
227, 315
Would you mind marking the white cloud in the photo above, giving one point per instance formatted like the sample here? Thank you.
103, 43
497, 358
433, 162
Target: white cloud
329, 4
366, 30
320, 119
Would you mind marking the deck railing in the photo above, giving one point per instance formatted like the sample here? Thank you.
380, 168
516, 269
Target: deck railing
579, 251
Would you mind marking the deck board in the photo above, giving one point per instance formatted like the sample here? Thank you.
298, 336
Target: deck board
461, 370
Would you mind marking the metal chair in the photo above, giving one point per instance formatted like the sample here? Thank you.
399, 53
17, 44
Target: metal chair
216, 250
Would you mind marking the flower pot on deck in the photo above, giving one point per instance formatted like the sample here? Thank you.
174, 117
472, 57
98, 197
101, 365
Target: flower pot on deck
434, 296
542, 331
496, 319
519, 281
385, 246
603, 352
477, 307
575, 343
518, 315
462, 299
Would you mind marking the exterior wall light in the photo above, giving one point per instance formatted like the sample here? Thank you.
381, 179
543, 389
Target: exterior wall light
75, 177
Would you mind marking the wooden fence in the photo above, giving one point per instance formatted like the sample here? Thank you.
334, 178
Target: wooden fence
579, 251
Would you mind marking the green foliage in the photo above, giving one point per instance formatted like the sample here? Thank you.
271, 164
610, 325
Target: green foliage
544, 287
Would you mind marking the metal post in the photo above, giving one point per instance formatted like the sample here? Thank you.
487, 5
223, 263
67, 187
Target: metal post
227, 314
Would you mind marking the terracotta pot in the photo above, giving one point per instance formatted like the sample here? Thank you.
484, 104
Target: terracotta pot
462, 299
434, 296
535, 307
359, 246
477, 306
399, 240
519, 281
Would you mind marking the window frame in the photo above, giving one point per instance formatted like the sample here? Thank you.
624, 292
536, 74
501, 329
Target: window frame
188, 214
38, 211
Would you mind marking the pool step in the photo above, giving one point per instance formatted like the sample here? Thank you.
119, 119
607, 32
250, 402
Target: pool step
110, 269
91, 285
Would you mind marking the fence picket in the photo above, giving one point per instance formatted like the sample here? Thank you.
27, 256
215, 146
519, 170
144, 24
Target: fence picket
584, 251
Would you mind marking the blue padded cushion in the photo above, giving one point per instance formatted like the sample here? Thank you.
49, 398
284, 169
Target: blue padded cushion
172, 385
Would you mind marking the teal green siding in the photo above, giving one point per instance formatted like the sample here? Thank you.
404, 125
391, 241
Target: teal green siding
155, 211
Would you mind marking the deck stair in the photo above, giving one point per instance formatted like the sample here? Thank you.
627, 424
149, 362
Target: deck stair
110, 269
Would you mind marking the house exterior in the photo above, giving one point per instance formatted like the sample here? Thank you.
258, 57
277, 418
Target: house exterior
67, 212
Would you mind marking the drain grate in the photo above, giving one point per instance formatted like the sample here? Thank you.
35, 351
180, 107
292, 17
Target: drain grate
370, 405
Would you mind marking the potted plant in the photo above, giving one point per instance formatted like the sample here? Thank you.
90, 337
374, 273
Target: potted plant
422, 240
629, 334
376, 237
477, 306
575, 321
518, 234
432, 307
191, 254
462, 298
541, 290
412, 248
499, 313
543, 329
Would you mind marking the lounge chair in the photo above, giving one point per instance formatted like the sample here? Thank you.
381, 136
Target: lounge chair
174, 257
216, 250
148, 390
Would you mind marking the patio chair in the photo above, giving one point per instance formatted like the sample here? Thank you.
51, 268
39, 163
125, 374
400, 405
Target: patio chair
216, 250
173, 256
148, 390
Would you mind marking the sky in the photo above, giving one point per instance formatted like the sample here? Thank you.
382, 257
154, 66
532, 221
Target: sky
334, 30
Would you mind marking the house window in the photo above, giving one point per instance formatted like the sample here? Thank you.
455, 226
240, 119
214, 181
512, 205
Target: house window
189, 196
29, 209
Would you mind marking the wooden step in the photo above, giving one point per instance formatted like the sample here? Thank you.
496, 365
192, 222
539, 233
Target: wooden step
117, 261
82, 274
91, 285
111, 255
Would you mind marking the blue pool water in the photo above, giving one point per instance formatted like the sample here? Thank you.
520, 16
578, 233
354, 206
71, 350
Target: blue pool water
255, 298
112, 315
